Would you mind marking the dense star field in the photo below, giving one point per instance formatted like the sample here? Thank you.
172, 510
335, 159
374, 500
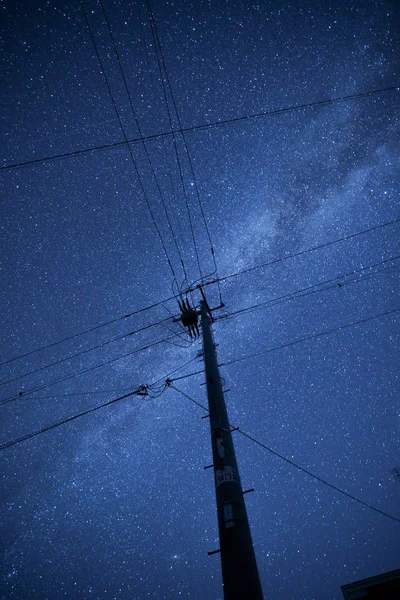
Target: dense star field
299, 203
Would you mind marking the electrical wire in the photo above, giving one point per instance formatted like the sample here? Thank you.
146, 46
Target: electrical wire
205, 126
141, 137
302, 252
310, 337
66, 420
91, 349
317, 478
188, 375
293, 343
171, 183
138, 391
157, 41
293, 464
75, 335
159, 62
128, 145
280, 111
178, 322
72, 394
187, 342
307, 291
193, 287
71, 376
167, 376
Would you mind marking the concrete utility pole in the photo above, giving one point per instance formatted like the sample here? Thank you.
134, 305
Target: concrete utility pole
239, 568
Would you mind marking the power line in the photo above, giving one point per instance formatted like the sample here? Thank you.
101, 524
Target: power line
138, 391
157, 39
154, 36
141, 136
307, 291
176, 369
128, 145
226, 277
292, 343
308, 338
296, 254
205, 126
293, 464
102, 345
187, 342
188, 375
317, 478
75, 335
66, 420
107, 362
280, 111
72, 394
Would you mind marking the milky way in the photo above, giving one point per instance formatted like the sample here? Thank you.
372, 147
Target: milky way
117, 504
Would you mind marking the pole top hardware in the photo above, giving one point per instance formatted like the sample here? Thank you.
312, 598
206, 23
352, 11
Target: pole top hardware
143, 390
214, 552
209, 310
189, 318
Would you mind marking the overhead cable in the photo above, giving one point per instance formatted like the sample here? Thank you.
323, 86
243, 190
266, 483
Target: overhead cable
91, 349
138, 391
293, 343
156, 41
93, 392
75, 335
142, 139
317, 478
63, 421
139, 178
192, 288
310, 337
307, 291
88, 370
293, 464
178, 160
301, 252
218, 123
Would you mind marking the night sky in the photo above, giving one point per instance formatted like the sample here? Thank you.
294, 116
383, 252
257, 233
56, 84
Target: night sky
116, 504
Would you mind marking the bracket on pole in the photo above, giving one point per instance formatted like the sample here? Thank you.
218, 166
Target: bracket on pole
142, 390
209, 310
214, 552
248, 491
206, 303
208, 467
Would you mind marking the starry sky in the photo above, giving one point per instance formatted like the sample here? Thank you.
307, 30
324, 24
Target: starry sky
116, 504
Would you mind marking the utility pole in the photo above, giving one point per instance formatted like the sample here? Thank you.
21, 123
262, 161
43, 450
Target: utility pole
239, 568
